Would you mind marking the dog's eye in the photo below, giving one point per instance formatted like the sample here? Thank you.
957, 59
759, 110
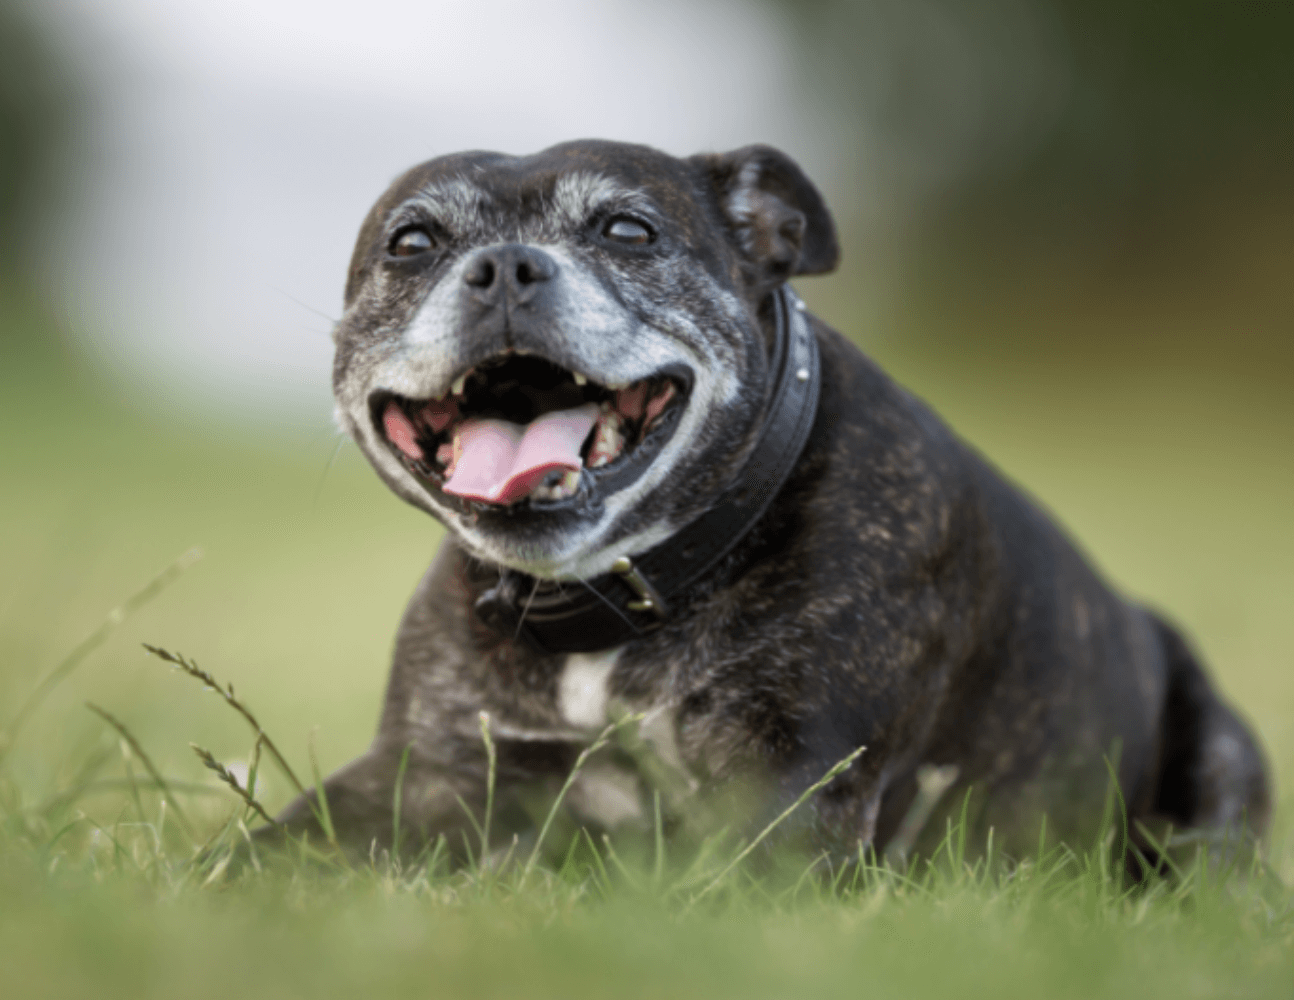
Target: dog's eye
624, 230
411, 242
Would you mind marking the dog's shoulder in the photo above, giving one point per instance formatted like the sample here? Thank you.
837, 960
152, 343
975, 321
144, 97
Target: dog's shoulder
881, 466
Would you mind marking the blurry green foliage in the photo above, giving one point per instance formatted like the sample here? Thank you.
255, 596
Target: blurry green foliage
1172, 90
1079, 106
38, 97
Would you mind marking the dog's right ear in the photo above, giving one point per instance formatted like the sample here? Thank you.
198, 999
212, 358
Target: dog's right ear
775, 215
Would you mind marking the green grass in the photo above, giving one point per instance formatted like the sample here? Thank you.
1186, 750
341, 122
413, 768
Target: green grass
1175, 475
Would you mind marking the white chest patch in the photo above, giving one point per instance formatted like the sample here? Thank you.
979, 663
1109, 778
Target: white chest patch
582, 688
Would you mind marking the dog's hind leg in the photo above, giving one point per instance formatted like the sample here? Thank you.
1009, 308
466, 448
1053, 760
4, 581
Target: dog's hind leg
1212, 776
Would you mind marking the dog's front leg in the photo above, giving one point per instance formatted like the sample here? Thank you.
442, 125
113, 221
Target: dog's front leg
365, 800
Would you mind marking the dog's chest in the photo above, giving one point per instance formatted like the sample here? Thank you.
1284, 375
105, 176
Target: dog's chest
583, 688
612, 791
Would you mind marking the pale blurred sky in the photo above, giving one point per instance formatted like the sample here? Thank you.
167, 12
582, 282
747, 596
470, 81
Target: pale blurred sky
234, 148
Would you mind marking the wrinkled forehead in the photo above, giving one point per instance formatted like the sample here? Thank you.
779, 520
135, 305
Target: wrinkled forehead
561, 188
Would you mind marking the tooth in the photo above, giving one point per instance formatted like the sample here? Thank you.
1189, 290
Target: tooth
571, 482
608, 443
459, 384
617, 386
580, 379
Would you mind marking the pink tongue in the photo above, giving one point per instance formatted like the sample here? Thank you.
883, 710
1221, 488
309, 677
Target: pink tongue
501, 462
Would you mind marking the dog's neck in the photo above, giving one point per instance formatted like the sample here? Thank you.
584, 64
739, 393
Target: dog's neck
635, 597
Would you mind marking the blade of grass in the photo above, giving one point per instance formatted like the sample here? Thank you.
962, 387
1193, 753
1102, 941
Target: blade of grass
598, 743
629, 876
118, 852
1119, 863
116, 617
130, 780
658, 866
827, 778
325, 817
491, 760
49, 845
566, 867
226, 692
1161, 849
147, 763
438, 849
251, 846
699, 867
254, 765
190, 667
224, 774
471, 817
600, 871
161, 828
790, 894
962, 824
502, 866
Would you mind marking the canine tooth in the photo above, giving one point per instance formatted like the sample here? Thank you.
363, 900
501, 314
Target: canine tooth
459, 384
607, 442
580, 379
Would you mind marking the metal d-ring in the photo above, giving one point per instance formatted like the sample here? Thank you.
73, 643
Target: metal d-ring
649, 597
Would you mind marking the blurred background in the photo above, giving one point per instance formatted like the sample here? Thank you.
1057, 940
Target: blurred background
1070, 226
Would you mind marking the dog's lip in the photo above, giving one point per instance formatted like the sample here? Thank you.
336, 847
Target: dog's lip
681, 374
595, 483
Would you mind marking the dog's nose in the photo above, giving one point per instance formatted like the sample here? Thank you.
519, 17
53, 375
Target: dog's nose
515, 270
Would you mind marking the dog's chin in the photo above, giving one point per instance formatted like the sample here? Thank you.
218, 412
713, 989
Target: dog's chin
559, 550
525, 459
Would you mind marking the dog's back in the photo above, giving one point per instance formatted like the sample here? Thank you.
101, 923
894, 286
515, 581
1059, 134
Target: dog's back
1065, 682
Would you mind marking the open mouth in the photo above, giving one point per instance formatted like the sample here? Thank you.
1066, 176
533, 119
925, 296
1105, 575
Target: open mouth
518, 429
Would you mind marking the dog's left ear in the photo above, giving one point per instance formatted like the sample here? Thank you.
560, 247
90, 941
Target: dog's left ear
776, 216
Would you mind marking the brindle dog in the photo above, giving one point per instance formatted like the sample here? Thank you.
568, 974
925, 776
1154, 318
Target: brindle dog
604, 317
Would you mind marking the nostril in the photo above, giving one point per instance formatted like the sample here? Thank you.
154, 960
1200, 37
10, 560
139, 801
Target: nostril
480, 274
531, 268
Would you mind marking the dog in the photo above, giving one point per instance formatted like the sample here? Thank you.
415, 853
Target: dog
676, 499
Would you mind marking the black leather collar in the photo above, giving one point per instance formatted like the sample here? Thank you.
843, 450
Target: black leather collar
634, 599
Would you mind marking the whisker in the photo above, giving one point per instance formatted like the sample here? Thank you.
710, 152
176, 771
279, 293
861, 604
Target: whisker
293, 298
341, 441
520, 621
602, 597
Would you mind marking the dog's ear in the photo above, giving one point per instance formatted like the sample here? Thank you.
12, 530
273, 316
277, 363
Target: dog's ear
775, 215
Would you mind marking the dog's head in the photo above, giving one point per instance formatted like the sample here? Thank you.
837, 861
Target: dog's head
562, 356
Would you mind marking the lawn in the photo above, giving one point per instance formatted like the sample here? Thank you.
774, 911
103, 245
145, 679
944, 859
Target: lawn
1172, 468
